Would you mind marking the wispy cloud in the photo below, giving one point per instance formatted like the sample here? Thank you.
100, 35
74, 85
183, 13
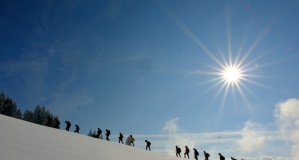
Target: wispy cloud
287, 117
175, 138
254, 141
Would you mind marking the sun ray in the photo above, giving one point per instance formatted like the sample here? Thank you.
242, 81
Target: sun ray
243, 41
243, 95
264, 31
227, 86
188, 32
219, 90
225, 63
228, 35
247, 89
233, 69
212, 87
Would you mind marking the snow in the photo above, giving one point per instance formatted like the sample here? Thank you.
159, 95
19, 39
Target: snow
21, 140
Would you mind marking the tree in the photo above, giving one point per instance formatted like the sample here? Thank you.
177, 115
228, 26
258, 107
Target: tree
19, 114
28, 116
37, 116
8, 107
2, 97
90, 133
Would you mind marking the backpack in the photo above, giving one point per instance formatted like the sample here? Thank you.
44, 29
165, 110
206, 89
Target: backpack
187, 150
208, 154
196, 153
131, 139
179, 150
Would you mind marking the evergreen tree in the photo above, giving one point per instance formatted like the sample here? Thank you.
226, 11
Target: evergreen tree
90, 133
7, 106
37, 116
28, 116
14, 110
19, 114
2, 97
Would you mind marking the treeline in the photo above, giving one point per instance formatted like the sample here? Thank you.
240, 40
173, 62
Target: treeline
39, 115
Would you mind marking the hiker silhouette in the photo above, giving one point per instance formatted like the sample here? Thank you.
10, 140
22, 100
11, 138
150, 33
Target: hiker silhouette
77, 129
68, 125
178, 151
186, 152
49, 121
57, 123
120, 138
195, 153
132, 140
207, 155
221, 156
148, 145
107, 134
99, 132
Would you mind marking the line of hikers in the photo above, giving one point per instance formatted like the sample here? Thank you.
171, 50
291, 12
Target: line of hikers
99, 132
130, 140
49, 122
57, 123
187, 151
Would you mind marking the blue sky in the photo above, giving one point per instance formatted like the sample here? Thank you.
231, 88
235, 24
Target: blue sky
151, 69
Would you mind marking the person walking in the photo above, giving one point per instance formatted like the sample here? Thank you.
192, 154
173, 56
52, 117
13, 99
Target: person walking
148, 145
49, 121
107, 134
57, 123
99, 132
195, 154
178, 151
186, 152
68, 125
132, 140
77, 129
207, 155
120, 138
221, 156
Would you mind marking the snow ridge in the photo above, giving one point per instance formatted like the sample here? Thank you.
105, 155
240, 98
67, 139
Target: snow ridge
21, 140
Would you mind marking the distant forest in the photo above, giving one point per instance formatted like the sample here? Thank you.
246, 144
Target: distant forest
39, 115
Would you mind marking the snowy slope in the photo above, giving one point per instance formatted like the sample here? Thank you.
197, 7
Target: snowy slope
21, 140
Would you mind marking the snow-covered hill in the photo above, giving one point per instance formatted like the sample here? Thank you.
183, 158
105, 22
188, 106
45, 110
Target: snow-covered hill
20, 140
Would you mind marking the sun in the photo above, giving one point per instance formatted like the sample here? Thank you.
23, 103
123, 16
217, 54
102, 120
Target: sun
231, 74
231, 69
